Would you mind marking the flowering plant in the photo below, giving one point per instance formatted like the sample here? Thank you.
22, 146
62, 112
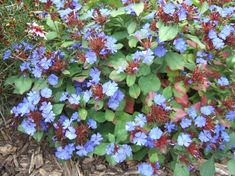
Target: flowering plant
144, 80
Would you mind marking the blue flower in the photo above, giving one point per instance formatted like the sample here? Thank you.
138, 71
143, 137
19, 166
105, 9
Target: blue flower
87, 95
92, 124
169, 8
49, 117
46, 107
130, 126
160, 51
192, 112
184, 140
230, 115
109, 88
52, 79
81, 151
205, 136
64, 12
225, 136
33, 97
23, 108
110, 149
6, 55
95, 75
127, 150
74, 99
155, 133
37, 72
65, 153
218, 43
111, 44
223, 81
140, 138
75, 117
46, 92
148, 56
121, 152
66, 122
89, 146
70, 133
180, 45
96, 139
91, 57
24, 66
182, 14
159, 99
207, 110
200, 121
185, 122
188, 2
115, 100
29, 126
145, 169
225, 32
64, 96
170, 126
212, 34
140, 120
45, 63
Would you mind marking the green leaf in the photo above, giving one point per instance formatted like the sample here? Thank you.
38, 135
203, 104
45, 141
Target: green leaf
181, 170
204, 7
10, 80
207, 168
20, 128
167, 92
52, 24
140, 154
130, 80
120, 131
131, 27
118, 12
38, 136
174, 60
22, 84
100, 150
231, 166
196, 40
39, 84
111, 138
167, 32
132, 41
99, 116
82, 113
58, 108
114, 75
149, 83
153, 156
144, 70
231, 142
134, 91
109, 115
138, 8
51, 35
67, 44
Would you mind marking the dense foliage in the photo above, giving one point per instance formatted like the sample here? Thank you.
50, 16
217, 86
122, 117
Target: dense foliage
131, 80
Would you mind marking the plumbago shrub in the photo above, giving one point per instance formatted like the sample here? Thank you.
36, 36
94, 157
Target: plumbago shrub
151, 81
